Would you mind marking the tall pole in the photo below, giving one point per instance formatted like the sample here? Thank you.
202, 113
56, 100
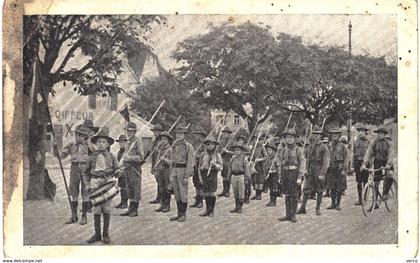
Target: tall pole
349, 121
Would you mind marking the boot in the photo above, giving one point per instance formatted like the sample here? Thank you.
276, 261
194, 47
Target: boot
227, 193
208, 205
123, 202
255, 196
134, 211
195, 201
287, 203
370, 208
333, 203
73, 219
158, 197
338, 197
293, 207
83, 220
200, 201
359, 194
318, 204
235, 210
302, 209
224, 189
105, 233
97, 225
258, 195
178, 215
239, 206
272, 202
387, 187
130, 208
89, 209
212, 200
183, 216
162, 203
166, 196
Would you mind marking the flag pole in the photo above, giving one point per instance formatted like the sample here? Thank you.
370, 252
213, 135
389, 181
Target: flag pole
73, 212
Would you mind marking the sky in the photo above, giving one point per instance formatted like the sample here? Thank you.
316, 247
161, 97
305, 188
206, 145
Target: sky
373, 34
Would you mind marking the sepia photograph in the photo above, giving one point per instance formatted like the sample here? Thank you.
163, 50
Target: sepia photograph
190, 129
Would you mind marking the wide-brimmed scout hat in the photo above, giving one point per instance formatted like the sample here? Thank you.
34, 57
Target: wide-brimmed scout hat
271, 145
89, 124
381, 129
226, 129
181, 129
81, 129
335, 130
290, 131
210, 139
238, 145
317, 130
361, 127
103, 134
157, 127
121, 138
165, 134
131, 126
200, 131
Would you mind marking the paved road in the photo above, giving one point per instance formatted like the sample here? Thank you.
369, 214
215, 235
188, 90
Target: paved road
44, 223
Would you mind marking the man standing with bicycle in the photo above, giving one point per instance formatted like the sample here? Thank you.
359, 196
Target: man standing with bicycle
360, 147
380, 150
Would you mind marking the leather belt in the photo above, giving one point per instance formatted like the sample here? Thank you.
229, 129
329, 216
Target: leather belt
78, 163
237, 173
179, 165
290, 167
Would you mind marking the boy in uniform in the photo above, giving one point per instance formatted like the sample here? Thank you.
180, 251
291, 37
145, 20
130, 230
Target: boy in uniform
182, 161
157, 129
100, 168
238, 169
271, 171
163, 170
317, 167
209, 159
79, 154
337, 171
292, 166
257, 167
122, 179
132, 160
224, 140
361, 145
199, 137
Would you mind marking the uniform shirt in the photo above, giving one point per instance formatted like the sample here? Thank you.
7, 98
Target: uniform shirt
239, 165
120, 154
360, 147
339, 155
205, 158
224, 140
79, 152
260, 151
134, 152
379, 150
183, 153
162, 152
271, 163
319, 154
291, 155
100, 163
154, 151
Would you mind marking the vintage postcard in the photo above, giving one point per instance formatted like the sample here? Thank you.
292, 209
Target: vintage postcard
210, 128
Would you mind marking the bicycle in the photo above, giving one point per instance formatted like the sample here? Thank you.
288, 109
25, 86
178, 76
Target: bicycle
371, 192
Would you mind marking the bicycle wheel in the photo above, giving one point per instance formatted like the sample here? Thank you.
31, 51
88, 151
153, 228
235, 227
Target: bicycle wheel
368, 199
391, 202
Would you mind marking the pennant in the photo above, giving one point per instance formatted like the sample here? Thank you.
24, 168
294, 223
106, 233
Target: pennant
125, 113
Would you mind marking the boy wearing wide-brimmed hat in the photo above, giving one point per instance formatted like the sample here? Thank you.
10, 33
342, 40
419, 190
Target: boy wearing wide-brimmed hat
157, 129
182, 160
79, 152
162, 170
225, 137
361, 145
198, 140
122, 179
238, 169
317, 166
291, 170
131, 161
337, 172
271, 169
209, 159
380, 154
100, 168
256, 165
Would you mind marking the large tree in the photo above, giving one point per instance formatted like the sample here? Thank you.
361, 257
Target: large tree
235, 67
84, 51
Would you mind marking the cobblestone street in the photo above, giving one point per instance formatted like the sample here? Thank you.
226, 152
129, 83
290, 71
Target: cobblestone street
44, 222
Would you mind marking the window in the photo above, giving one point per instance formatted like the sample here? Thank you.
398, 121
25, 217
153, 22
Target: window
236, 120
92, 101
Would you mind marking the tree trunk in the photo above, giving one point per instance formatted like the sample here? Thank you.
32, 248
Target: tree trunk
35, 150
